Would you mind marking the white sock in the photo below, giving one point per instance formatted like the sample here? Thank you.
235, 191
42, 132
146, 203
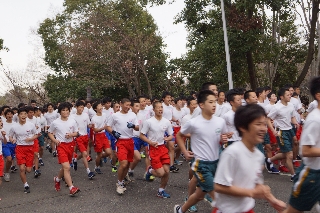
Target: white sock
269, 161
131, 170
97, 167
88, 170
75, 159
150, 170
71, 187
57, 179
213, 203
161, 189
26, 184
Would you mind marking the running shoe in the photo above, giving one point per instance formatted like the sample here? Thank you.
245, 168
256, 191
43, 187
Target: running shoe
74, 190
208, 198
105, 160
41, 162
293, 177
174, 169
128, 179
27, 189
54, 154
283, 169
13, 169
267, 165
274, 170
298, 158
91, 175
177, 162
101, 164
37, 173
120, 189
98, 171
131, 176
192, 208
7, 177
296, 164
89, 159
148, 174
49, 148
56, 184
114, 169
75, 165
176, 209
163, 194
142, 155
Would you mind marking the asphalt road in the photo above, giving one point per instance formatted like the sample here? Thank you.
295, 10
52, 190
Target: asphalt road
99, 194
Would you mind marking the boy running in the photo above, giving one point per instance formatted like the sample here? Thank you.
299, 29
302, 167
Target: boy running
24, 133
207, 132
50, 116
155, 128
65, 130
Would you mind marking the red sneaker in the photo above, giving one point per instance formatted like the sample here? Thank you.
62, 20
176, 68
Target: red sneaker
56, 184
296, 164
283, 169
89, 159
74, 190
276, 162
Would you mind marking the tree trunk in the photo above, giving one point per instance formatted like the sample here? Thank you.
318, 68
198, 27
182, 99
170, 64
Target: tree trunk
250, 62
314, 18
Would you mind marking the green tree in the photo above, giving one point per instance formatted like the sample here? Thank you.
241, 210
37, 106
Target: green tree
105, 45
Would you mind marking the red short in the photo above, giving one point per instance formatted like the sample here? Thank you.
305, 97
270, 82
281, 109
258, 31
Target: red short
273, 139
101, 142
25, 155
299, 131
176, 129
215, 210
125, 149
82, 143
36, 145
65, 151
159, 156
91, 133
1, 165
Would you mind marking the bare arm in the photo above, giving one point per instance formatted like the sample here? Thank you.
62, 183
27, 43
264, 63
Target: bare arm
310, 151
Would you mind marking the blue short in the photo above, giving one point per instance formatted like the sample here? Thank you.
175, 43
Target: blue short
138, 143
204, 171
285, 140
41, 139
112, 139
9, 150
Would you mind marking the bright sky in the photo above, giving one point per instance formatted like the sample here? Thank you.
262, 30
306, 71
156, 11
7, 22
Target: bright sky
17, 18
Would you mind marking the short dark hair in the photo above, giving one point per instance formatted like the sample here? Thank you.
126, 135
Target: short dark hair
314, 86
33, 102
205, 86
141, 96
22, 109
155, 103
189, 99
165, 94
282, 91
20, 105
267, 88
220, 91
295, 87
106, 100
95, 105
271, 93
124, 100
80, 103
203, 94
134, 101
260, 90
29, 108
231, 94
113, 103
294, 94
50, 104
287, 86
64, 105
15, 108
246, 115
8, 111
177, 99
247, 94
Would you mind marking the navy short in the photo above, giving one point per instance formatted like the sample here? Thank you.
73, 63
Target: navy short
285, 140
138, 143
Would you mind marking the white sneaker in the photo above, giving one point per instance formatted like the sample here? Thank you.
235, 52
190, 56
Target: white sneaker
120, 189
318, 207
7, 177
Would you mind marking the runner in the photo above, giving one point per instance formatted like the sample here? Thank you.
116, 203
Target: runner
236, 184
65, 129
3, 140
156, 128
50, 116
42, 122
207, 132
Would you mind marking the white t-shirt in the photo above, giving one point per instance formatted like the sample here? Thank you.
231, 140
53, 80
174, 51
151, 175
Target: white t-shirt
50, 117
205, 136
263, 105
282, 115
82, 122
100, 121
142, 116
312, 106
7, 127
177, 115
156, 129
240, 167
42, 121
311, 136
1, 140
23, 131
15, 118
108, 112
186, 110
167, 111
269, 107
73, 110
229, 118
222, 109
91, 113
185, 119
243, 102
3, 118
35, 121
118, 121
196, 112
60, 128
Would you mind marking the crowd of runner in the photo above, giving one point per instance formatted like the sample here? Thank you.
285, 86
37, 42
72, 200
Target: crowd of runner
228, 138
